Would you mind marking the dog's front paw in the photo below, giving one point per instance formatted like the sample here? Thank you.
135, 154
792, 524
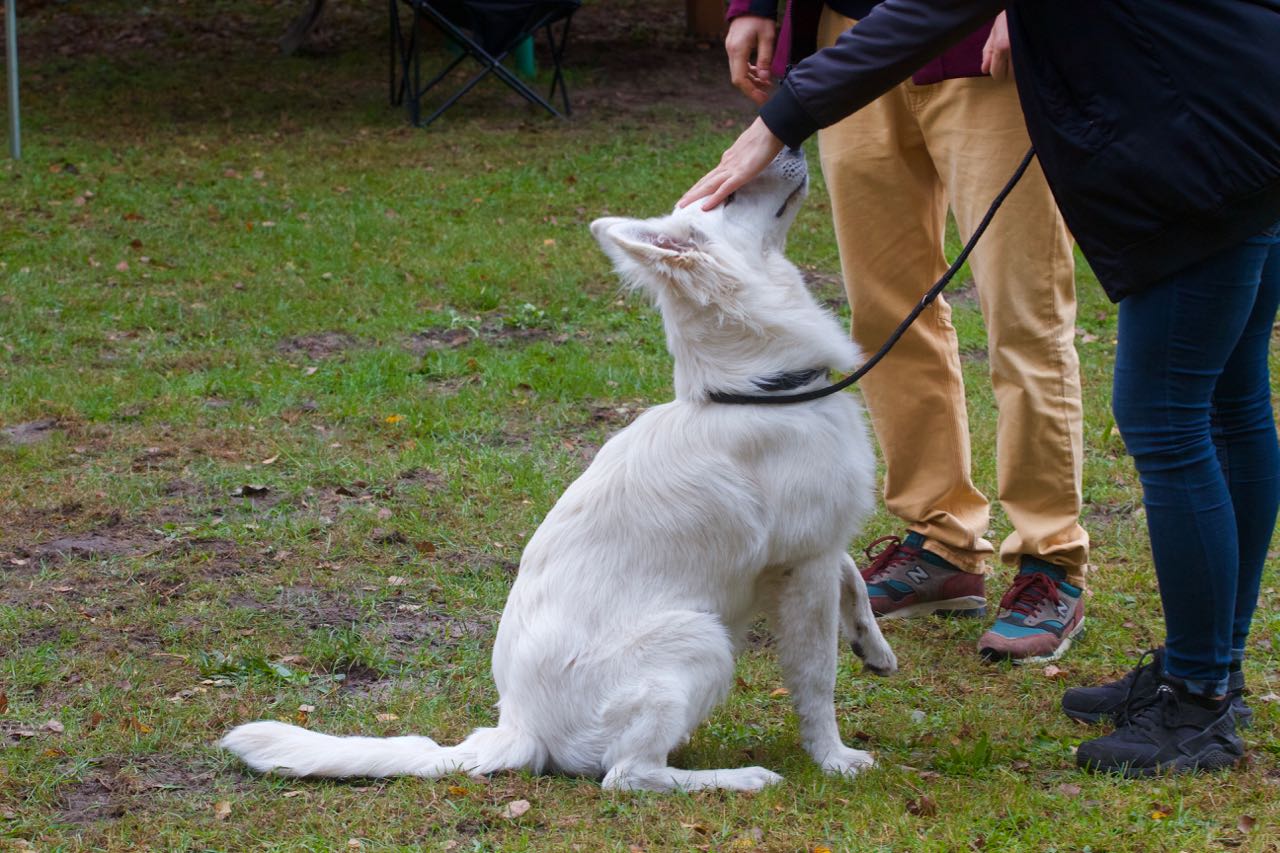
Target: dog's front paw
847, 762
748, 779
879, 659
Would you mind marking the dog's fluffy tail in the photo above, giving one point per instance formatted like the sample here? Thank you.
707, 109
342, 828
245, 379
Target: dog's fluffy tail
271, 747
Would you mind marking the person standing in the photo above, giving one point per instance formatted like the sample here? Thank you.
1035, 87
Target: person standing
949, 138
1158, 128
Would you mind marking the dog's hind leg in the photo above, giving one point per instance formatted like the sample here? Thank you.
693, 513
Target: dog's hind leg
675, 670
806, 616
860, 624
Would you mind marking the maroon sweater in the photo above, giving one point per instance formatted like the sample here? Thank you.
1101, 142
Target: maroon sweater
798, 36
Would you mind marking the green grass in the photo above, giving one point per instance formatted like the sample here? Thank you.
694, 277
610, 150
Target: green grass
316, 377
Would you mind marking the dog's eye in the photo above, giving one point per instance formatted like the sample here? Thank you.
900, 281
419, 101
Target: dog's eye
729, 199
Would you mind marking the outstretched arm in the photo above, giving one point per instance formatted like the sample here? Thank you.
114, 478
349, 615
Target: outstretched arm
895, 39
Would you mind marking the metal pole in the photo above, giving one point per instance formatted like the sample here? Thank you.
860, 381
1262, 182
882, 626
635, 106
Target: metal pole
11, 53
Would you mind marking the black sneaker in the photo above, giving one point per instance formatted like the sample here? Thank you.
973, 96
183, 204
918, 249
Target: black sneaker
1175, 732
1118, 700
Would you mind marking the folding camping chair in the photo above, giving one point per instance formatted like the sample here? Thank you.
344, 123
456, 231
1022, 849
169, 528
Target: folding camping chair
485, 30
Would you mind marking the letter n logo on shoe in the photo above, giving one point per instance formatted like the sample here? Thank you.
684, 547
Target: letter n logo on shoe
917, 574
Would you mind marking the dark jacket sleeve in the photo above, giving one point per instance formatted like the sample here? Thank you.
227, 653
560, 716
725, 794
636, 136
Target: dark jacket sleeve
894, 40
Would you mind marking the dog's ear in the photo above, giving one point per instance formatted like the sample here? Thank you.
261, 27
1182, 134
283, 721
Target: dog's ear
657, 245
671, 256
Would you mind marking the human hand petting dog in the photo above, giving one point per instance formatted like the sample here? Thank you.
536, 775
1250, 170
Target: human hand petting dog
746, 158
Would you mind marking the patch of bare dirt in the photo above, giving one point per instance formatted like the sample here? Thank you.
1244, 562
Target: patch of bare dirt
615, 415
962, 292
214, 559
185, 561
418, 626
458, 561
438, 339
116, 786
398, 621
32, 432
422, 477
94, 545
318, 346
494, 329
827, 288
1102, 515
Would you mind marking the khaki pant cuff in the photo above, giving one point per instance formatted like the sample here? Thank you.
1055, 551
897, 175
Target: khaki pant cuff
973, 562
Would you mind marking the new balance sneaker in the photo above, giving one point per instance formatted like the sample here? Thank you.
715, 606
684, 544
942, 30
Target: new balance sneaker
1119, 700
1176, 732
903, 580
1039, 617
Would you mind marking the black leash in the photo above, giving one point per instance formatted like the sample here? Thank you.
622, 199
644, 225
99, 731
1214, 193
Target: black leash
929, 297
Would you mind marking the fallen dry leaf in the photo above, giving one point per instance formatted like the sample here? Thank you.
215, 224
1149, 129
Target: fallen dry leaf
458, 791
1246, 823
1052, 671
1069, 790
923, 806
54, 726
134, 724
515, 808
387, 718
396, 580
222, 809
781, 691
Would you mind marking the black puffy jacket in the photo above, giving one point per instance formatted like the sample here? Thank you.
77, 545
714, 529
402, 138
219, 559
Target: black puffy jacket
1157, 122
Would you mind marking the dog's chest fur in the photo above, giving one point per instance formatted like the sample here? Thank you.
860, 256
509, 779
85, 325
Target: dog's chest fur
691, 506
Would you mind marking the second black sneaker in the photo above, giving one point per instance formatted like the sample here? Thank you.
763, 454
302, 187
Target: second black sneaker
1114, 701
1175, 732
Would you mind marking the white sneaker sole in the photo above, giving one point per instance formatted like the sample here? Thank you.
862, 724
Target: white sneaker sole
968, 606
1056, 653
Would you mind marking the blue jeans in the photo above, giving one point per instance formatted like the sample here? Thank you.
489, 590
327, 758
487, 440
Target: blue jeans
1192, 400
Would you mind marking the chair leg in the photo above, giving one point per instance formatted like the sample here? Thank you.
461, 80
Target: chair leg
557, 54
394, 52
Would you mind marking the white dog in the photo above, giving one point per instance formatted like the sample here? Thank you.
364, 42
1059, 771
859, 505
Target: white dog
637, 591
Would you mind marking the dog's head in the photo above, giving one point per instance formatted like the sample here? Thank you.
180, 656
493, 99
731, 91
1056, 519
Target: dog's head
734, 307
